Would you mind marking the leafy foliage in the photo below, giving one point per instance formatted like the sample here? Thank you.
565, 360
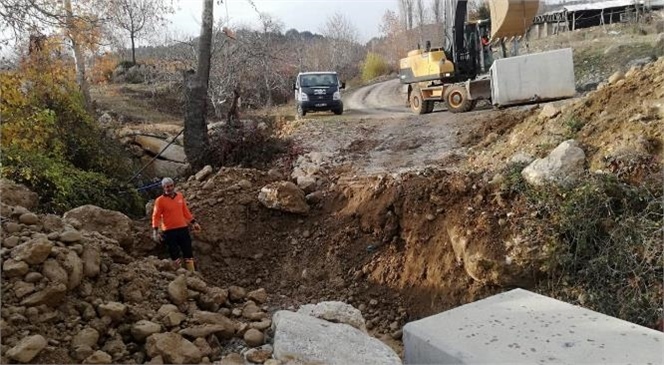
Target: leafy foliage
50, 143
374, 65
62, 187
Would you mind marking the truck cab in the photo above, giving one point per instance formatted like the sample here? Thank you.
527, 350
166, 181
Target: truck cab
318, 91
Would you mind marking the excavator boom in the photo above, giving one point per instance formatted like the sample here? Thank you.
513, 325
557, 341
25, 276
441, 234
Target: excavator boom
511, 18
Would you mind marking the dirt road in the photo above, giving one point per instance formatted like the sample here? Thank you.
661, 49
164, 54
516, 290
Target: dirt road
379, 134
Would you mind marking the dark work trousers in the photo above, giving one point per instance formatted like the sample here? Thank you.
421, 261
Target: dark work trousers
179, 240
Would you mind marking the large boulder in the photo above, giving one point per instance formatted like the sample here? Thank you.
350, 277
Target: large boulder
305, 339
284, 196
16, 194
169, 168
155, 145
563, 165
107, 222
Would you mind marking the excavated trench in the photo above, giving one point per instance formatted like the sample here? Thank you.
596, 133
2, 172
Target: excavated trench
397, 248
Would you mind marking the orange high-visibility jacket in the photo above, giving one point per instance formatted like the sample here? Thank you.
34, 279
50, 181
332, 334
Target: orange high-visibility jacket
172, 213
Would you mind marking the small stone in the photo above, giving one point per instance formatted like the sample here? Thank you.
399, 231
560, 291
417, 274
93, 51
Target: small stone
244, 184
27, 349
12, 227
258, 295
144, 328
99, 357
373, 302
253, 337
10, 242
28, 218
237, 293
114, 310
70, 236
33, 277
259, 355
12, 268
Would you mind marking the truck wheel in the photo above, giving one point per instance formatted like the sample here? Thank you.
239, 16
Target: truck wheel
338, 111
429, 105
300, 111
457, 100
416, 102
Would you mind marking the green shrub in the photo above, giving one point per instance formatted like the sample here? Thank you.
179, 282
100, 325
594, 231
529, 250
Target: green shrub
573, 125
62, 187
51, 144
607, 251
373, 66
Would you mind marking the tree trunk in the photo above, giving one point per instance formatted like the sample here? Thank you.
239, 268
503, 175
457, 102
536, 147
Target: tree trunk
196, 142
133, 50
78, 57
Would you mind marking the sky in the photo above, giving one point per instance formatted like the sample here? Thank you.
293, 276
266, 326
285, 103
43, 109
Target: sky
302, 15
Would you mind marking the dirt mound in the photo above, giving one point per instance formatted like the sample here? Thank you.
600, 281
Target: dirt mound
619, 127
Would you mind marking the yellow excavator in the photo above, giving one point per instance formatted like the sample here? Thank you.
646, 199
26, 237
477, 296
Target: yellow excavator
457, 75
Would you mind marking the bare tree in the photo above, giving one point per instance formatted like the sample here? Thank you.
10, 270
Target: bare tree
421, 19
406, 11
72, 31
137, 17
342, 37
269, 27
79, 24
196, 143
437, 11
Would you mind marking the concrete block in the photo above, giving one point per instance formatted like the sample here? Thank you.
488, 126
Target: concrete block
533, 77
521, 327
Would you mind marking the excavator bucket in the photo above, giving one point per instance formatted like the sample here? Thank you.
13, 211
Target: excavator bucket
511, 18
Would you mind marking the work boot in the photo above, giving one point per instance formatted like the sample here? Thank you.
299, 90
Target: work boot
177, 264
189, 264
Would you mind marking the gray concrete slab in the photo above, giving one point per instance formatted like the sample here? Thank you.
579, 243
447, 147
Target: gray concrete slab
521, 327
533, 77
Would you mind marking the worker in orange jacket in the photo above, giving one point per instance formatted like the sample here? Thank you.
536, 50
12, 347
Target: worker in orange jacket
172, 215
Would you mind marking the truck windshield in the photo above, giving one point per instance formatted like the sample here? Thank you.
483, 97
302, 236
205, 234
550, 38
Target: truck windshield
318, 80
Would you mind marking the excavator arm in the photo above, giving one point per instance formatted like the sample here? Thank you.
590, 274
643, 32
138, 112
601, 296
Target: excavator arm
511, 18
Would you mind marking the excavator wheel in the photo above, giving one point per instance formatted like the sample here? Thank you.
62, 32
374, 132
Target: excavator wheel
457, 100
417, 105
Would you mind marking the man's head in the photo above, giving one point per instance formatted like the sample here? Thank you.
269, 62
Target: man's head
168, 185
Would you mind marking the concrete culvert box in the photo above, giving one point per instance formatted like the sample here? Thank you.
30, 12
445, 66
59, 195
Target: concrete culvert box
521, 327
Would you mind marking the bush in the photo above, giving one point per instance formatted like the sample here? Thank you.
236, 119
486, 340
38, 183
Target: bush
126, 64
62, 187
606, 250
374, 65
50, 142
246, 145
102, 69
